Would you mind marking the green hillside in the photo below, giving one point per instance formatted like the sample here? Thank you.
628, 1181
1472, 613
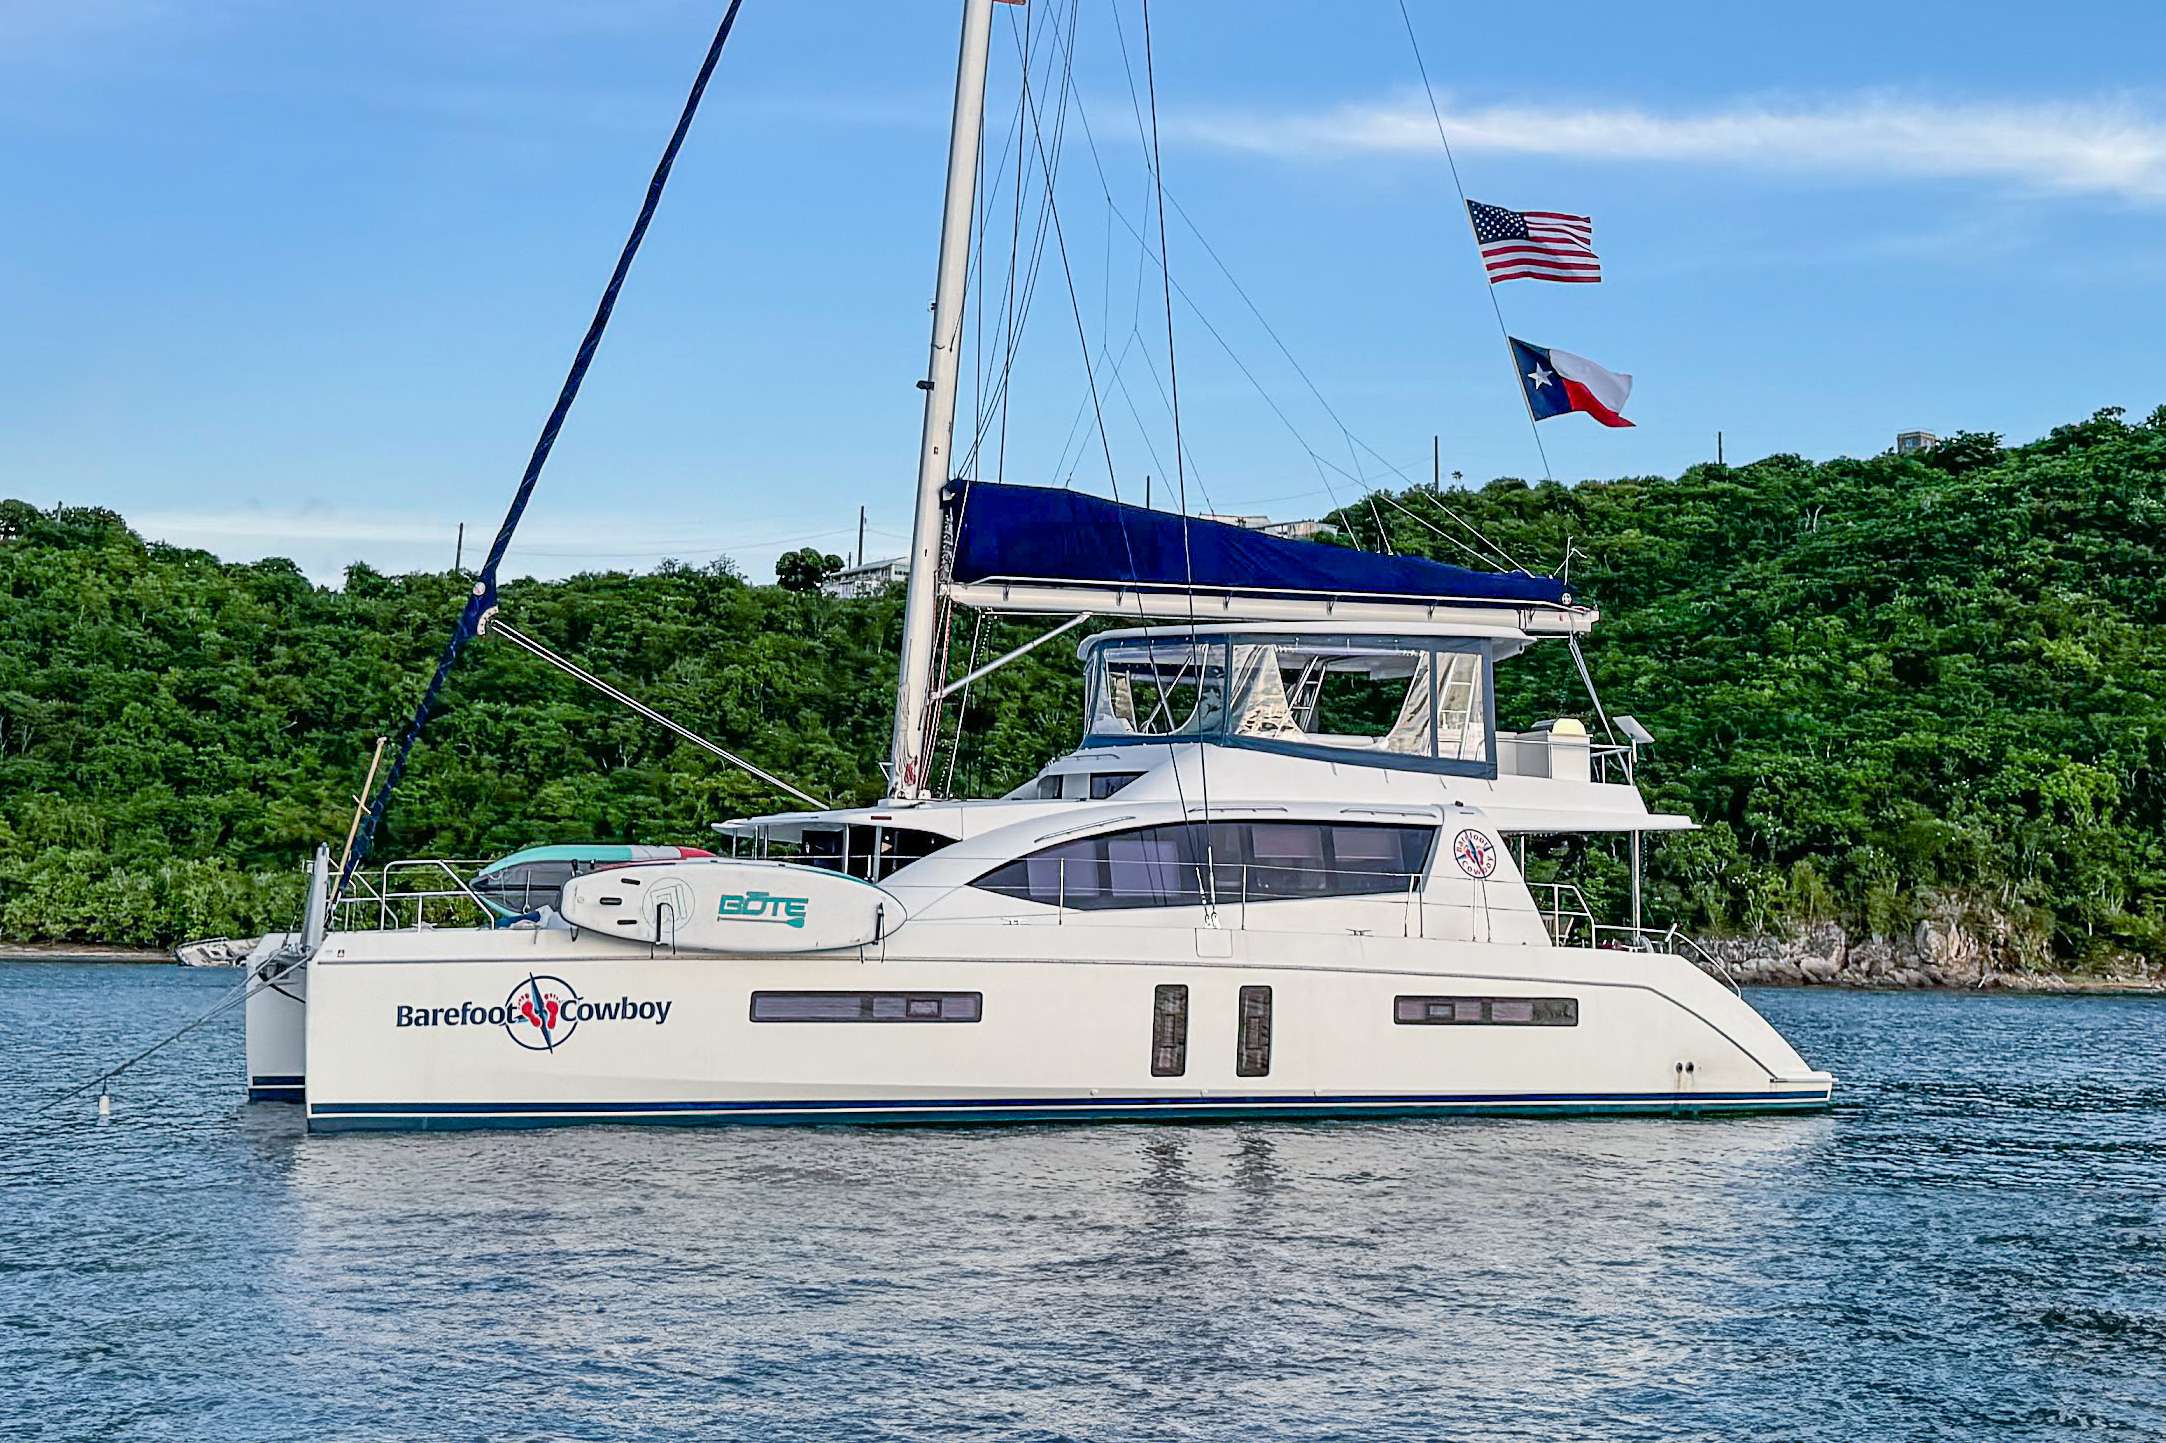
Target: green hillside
1885, 685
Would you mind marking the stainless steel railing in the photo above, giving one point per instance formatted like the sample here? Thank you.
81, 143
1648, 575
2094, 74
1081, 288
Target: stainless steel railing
1565, 912
416, 892
435, 892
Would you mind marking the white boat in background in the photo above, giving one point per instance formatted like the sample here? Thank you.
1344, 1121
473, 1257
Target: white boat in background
215, 952
1278, 876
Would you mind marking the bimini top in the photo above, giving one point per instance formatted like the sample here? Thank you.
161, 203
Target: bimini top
1038, 542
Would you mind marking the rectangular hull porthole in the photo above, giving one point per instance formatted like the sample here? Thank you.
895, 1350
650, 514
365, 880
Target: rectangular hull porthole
1252, 1057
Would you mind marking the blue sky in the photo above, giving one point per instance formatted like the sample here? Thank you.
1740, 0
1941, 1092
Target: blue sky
301, 279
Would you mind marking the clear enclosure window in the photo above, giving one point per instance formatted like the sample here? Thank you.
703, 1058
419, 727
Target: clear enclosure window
1159, 689
1406, 697
1462, 712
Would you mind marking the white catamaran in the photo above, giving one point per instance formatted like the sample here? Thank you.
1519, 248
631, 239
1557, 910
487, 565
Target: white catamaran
1276, 877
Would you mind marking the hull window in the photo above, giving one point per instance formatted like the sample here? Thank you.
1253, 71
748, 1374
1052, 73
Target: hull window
1169, 1031
1252, 1057
1486, 1011
867, 1006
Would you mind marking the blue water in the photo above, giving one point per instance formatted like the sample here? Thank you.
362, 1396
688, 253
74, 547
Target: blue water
1973, 1244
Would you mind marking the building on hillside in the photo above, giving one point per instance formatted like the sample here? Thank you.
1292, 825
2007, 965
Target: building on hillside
868, 577
1291, 530
1910, 443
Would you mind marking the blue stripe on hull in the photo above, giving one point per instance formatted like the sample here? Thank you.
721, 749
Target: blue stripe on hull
277, 1087
445, 1116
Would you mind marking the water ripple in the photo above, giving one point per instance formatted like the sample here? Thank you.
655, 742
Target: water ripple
1971, 1245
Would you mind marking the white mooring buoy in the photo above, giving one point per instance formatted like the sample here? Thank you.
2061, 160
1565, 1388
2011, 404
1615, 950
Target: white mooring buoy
105, 1104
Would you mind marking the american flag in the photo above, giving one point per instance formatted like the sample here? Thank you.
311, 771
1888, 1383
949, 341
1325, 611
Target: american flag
1534, 245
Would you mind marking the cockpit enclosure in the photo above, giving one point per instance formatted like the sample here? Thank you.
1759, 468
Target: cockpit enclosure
1419, 702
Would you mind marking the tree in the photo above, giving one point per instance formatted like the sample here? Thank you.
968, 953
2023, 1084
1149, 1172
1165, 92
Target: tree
1881, 686
1966, 451
805, 569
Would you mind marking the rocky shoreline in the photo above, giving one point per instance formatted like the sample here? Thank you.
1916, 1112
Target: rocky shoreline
79, 952
1934, 954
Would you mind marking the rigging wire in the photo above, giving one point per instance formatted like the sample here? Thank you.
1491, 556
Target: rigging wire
1299, 370
1323, 465
1195, 470
1078, 439
1016, 312
1436, 114
483, 598
1076, 311
979, 207
1075, 307
1479, 559
1143, 432
1533, 426
1579, 660
231, 1000
962, 705
1156, 198
1015, 247
1180, 472
276, 969
985, 198
996, 404
497, 626
1383, 537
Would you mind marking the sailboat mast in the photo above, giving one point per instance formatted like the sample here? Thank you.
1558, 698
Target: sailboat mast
913, 695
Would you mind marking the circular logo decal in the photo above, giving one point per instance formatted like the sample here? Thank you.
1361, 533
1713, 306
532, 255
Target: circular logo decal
1475, 853
538, 1013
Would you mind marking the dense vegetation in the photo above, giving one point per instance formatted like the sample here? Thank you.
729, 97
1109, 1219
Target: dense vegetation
1887, 686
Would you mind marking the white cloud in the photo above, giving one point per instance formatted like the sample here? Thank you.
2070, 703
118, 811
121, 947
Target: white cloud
322, 540
2108, 148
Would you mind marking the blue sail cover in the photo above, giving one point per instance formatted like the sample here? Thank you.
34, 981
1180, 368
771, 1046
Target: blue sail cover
1005, 532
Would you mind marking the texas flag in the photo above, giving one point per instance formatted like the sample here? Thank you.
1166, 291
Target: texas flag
1558, 381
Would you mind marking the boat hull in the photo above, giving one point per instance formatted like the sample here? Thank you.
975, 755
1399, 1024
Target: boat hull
456, 1117
443, 1030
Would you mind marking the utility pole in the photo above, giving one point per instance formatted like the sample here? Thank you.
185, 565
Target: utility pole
1718, 448
860, 561
458, 555
1436, 463
1146, 490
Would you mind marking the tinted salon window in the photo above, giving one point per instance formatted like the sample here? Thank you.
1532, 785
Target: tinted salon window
1165, 866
